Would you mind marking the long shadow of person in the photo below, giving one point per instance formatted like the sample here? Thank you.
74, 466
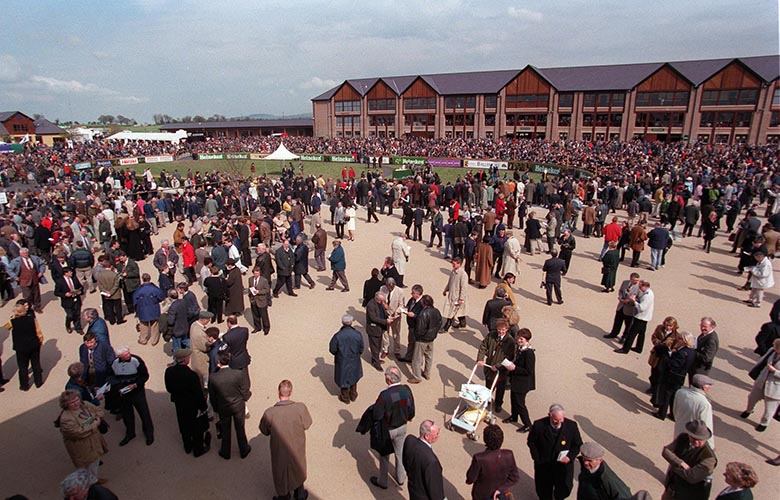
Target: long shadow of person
622, 449
324, 372
50, 356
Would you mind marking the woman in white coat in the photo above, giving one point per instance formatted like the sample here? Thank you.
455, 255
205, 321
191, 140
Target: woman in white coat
399, 250
351, 219
766, 386
511, 256
760, 279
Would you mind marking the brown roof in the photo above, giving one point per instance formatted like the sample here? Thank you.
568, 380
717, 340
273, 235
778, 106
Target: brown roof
45, 127
573, 78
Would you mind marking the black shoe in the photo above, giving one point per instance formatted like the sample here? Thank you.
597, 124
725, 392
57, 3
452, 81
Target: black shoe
523, 429
226, 457
760, 428
405, 360
621, 351
255, 330
745, 414
658, 416
609, 336
375, 482
246, 452
126, 440
509, 420
498, 409
24, 388
4, 381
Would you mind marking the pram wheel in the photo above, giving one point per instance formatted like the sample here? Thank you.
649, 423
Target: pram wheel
448, 425
473, 436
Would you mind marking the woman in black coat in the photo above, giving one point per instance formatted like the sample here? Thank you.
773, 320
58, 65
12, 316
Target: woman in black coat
740, 478
533, 231
522, 379
26, 343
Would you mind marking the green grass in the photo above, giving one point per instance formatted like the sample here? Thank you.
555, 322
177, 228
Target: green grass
273, 168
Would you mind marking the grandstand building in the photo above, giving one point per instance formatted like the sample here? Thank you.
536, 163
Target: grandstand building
721, 101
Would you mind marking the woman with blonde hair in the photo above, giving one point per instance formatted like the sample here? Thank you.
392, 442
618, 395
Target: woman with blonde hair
80, 424
678, 365
740, 478
27, 341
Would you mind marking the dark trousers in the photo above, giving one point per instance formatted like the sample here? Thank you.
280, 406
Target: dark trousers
112, 310
216, 306
24, 360
136, 399
32, 294
283, 281
549, 287
225, 432
339, 276
417, 233
637, 329
372, 214
566, 256
553, 480
621, 322
497, 261
375, 346
340, 230
435, 234
469, 263
260, 318
498, 399
519, 409
129, 300
666, 392
192, 431
299, 277
458, 250
410, 341
687, 230
635, 257
189, 274
349, 393
298, 493
73, 317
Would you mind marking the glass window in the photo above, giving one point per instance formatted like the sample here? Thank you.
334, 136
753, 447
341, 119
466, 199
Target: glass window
448, 120
339, 121
641, 120
510, 120
603, 100
601, 119
722, 139
724, 119
490, 120
743, 118
527, 101
381, 104
526, 120
774, 121
709, 98
347, 106
420, 103
589, 100
588, 119
679, 98
618, 99
566, 100
470, 119
564, 119
776, 98
707, 119
615, 119
491, 101
748, 96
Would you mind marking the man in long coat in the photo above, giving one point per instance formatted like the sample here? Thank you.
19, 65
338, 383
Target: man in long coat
286, 422
511, 256
484, 263
186, 390
235, 290
400, 253
455, 296
347, 346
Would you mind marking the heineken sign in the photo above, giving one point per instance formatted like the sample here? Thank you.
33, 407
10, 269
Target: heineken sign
211, 157
342, 158
409, 160
312, 158
545, 169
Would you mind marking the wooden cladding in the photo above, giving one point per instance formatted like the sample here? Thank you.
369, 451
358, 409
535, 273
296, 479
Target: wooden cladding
347, 93
733, 76
419, 89
664, 79
527, 82
381, 91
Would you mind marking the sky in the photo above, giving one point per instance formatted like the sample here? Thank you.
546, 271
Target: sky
80, 59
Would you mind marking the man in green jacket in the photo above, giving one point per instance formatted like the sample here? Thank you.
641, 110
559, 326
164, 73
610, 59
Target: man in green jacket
597, 481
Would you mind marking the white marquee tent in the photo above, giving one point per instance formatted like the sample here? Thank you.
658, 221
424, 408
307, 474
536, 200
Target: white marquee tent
282, 153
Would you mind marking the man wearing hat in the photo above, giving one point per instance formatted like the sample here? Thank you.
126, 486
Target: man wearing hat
554, 442
186, 390
347, 347
691, 464
597, 481
691, 403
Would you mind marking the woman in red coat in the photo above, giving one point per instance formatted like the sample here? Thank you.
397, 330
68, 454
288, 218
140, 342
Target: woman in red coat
494, 469
188, 259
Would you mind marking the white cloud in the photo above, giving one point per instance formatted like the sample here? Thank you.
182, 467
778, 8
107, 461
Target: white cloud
75, 87
525, 14
318, 83
9, 68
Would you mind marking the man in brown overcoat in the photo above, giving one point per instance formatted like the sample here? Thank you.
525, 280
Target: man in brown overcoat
286, 422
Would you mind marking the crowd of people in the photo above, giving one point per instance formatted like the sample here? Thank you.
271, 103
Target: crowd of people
89, 230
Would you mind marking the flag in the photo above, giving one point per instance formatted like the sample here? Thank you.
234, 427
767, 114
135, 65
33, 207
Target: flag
26, 138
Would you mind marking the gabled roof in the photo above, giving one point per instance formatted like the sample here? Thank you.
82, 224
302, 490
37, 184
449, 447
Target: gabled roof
482, 82
592, 78
700, 71
45, 127
399, 83
7, 115
767, 67
3, 131
293, 122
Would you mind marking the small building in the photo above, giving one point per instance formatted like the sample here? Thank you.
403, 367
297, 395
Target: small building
302, 127
15, 125
48, 133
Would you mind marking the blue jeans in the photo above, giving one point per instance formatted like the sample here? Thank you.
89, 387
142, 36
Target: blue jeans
656, 255
448, 249
603, 250
180, 343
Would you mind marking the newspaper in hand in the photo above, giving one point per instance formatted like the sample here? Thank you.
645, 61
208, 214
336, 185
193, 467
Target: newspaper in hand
103, 389
506, 363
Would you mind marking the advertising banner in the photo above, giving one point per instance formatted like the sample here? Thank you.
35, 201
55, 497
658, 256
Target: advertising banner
158, 159
211, 157
256, 156
502, 165
312, 158
128, 161
444, 162
409, 160
103, 163
546, 169
237, 156
82, 166
342, 158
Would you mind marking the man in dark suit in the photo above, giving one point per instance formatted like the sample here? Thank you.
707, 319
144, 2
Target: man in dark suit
69, 290
707, 345
553, 269
285, 262
413, 308
493, 307
301, 266
166, 256
259, 301
495, 348
236, 339
178, 322
376, 324
422, 466
186, 392
228, 393
554, 442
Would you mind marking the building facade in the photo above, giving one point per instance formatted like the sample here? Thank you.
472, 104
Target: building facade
721, 101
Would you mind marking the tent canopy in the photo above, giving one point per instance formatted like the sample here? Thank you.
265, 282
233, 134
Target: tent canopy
282, 153
126, 135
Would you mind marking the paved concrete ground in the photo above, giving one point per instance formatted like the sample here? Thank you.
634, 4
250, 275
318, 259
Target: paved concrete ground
602, 391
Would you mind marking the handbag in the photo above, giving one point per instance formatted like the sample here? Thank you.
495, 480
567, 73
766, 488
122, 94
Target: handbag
103, 427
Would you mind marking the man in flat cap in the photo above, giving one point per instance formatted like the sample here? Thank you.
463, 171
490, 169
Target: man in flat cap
554, 442
347, 347
691, 403
597, 481
186, 390
128, 378
691, 464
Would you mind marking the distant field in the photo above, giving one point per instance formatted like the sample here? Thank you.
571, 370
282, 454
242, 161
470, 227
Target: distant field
273, 168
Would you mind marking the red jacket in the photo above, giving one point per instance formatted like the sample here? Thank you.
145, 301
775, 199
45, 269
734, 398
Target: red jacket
612, 232
187, 254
